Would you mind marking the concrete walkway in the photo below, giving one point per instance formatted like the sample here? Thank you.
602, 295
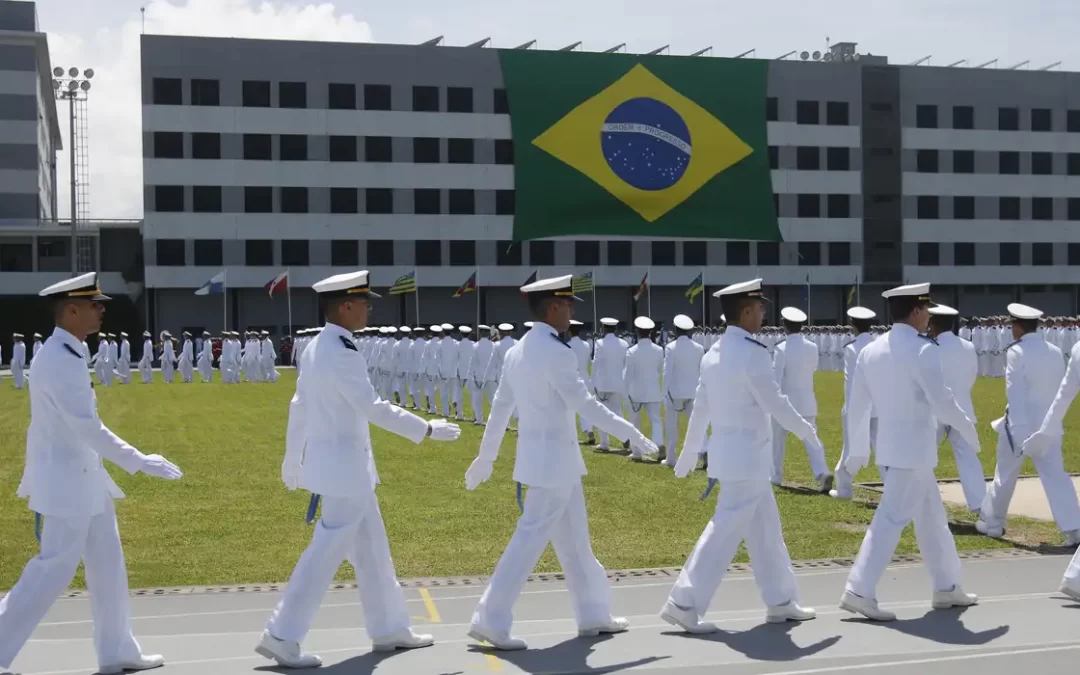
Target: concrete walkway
1028, 501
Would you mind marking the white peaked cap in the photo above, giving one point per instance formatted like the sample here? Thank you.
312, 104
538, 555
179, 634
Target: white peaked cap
608, 321
349, 283
84, 286
528, 324
448, 326
683, 322
383, 330
943, 310
793, 314
391, 330
405, 329
506, 326
1023, 311
484, 326
644, 323
575, 322
750, 288
723, 318
559, 286
464, 329
861, 313
908, 290
436, 329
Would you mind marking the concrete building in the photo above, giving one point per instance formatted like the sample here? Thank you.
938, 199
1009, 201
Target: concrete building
321, 157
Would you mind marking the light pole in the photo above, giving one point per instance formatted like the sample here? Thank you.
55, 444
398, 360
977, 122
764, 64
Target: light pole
69, 87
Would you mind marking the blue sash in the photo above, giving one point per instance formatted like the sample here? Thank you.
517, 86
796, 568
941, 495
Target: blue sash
313, 507
712, 484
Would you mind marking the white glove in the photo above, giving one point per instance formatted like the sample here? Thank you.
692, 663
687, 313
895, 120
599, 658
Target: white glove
1037, 444
441, 430
290, 474
853, 464
643, 445
686, 464
479, 471
158, 466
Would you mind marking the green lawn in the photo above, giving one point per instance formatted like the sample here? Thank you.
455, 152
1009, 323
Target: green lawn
230, 520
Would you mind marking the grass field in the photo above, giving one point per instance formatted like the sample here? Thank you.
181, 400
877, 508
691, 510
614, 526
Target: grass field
230, 520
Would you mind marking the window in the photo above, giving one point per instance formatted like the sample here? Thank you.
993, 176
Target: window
504, 151
376, 97
807, 112
1009, 208
378, 149
1072, 163
838, 159
205, 146
963, 208
379, 200
1042, 163
807, 158
926, 116
1009, 162
809, 253
1041, 119
258, 253
292, 148
292, 94
836, 113
927, 207
542, 253
772, 109
459, 150
774, 157
1072, 121
16, 258
508, 253
170, 252
963, 161
206, 199
258, 199
208, 253
663, 253
1074, 254
429, 252
1009, 253
205, 92
426, 150
257, 146
738, 253
504, 202
926, 161
1042, 254
342, 148
964, 254
695, 254
838, 206
587, 253
500, 102
462, 202
463, 252
1008, 119
294, 200
963, 117
425, 99
294, 252
1042, 208
169, 198
168, 91
620, 253
168, 145
809, 206
427, 201
344, 200
1073, 208
344, 253
341, 96
459, 99
768, 253
255, 94
839, 253
380, 252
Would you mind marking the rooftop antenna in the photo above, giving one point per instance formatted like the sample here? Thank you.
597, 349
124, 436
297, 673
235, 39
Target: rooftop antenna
702, 51
921, 61
480, 43
956, 63
432, 42
657, 51
570, 48
1052, 65
983, 65
614, 49
528, 44
1022, 63
781, 58
747, 52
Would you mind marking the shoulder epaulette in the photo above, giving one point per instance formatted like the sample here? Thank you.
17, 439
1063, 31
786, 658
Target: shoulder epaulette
927, 337
750, 339
348, 343
848, 344
72, 350
780, 341
1010, 345
560, 341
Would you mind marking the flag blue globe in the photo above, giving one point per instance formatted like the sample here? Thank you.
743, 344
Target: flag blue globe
646, 143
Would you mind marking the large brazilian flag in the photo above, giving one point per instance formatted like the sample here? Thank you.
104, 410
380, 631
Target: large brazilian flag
627, 145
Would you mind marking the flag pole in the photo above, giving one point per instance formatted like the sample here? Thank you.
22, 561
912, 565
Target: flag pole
288, 295
477, 297
595, 321
858, 291
703, 294
224, 300
648, 288
416, 289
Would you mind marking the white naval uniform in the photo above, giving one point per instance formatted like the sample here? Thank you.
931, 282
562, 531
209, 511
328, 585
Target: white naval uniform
186, 366
431, 370
168, 361
844, 480
609, 359
737, 394
960, 367
328, 441
18, 363
540, 379
267, 357
682, 369
206, 361
1033, 373
123, 362
466, 351
483, 378
415, 371
68, 485
102, 367
794, 363
583, 352
449, 385
642, 371
399, 364
146, 361
898, 376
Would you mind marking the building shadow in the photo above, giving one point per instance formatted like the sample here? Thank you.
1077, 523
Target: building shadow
569, 656
943, 626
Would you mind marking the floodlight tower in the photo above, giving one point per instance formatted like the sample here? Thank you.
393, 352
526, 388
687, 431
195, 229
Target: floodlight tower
70, 85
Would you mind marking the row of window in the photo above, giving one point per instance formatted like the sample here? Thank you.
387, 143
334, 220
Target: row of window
1042, 254
1008, 162
1008, 119
929, 207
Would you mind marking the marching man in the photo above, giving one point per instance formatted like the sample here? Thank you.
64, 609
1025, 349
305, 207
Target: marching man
642, 371
861, 319
206, 358
609, 359
146, 361
682, 368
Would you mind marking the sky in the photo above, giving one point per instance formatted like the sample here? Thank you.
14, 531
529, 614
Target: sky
104, 35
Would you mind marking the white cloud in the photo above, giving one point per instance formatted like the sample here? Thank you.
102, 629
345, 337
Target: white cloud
114, 108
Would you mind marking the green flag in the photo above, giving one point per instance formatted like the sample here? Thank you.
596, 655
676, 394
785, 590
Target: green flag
617, 144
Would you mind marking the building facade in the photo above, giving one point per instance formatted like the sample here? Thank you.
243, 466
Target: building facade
261, 156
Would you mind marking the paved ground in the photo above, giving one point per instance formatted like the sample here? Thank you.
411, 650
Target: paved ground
1029, 500
1021, 620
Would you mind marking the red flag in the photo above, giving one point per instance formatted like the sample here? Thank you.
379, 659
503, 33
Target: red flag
467, 287
278, 283
641, 287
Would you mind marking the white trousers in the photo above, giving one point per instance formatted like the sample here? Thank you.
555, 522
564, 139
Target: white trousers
672, 408
146, 371
104, 373
968, 466
1060, 492
745, 511
449, 391
187, 371
167, 370
401, 386
556, 515
64, 541
123, 371
206, 370
19, 377
429, 391
613, 402
652, 411
845, 481
910, 494
350, 528
269, 372
779, 449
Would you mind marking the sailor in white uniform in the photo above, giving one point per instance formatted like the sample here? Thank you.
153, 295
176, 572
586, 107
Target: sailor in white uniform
583, 352
609, 359
682, 369
643, 371
146, 360
861, 319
